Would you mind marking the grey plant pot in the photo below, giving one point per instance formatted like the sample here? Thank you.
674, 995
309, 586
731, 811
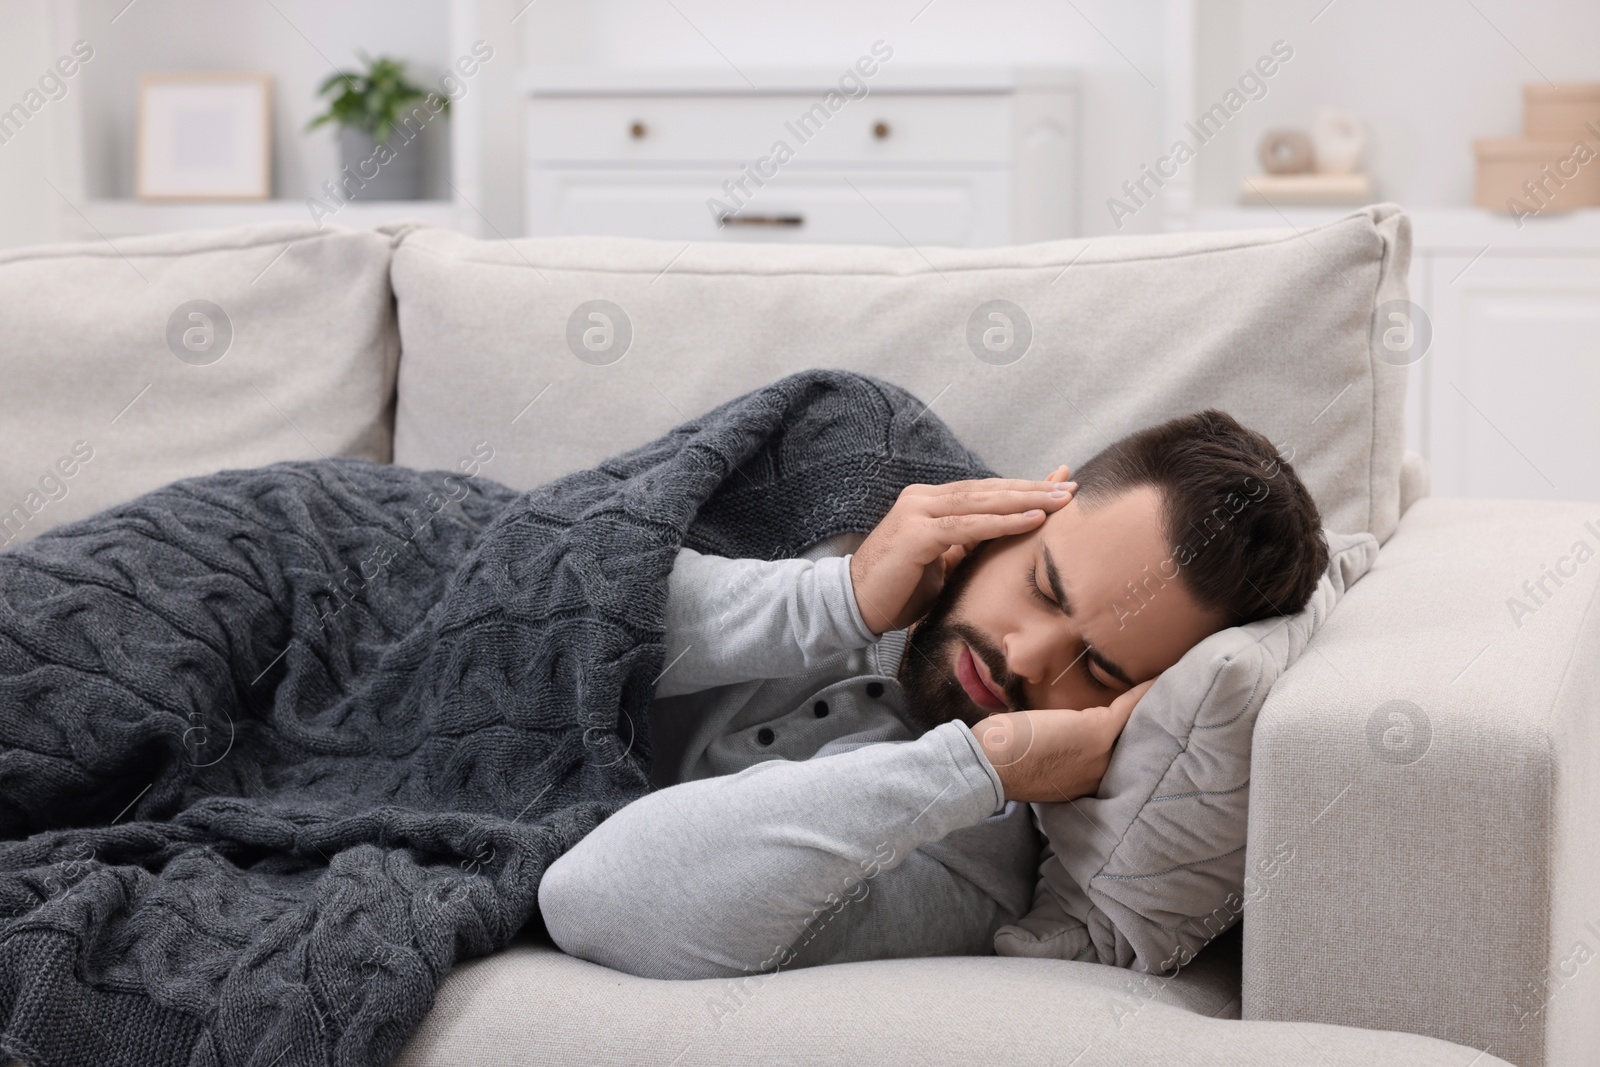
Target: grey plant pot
398, 179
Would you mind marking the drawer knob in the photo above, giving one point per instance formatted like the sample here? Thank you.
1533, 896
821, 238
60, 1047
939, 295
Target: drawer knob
881, 130
638, 130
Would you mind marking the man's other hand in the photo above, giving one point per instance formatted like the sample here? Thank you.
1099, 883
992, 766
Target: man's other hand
1052, 755
901, 566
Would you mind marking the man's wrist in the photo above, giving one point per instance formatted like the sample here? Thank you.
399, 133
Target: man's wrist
847, 579
995, 774
995, 737
869, 617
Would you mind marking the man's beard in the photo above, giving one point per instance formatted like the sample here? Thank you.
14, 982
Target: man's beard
927, 669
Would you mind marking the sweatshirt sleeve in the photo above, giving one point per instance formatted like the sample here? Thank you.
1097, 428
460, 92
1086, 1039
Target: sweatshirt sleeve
900, 848
734, 620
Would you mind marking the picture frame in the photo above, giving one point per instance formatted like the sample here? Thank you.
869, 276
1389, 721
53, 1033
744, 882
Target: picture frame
204, 135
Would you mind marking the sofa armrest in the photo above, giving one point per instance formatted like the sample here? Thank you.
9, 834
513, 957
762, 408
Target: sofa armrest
1431, 771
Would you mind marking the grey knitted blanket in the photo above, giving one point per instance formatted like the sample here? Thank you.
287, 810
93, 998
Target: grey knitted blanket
278, 747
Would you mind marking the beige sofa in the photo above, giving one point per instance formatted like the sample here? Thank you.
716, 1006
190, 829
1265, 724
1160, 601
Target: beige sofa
1432, 765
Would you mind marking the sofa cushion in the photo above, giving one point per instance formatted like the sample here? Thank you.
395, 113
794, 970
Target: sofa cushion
531, 1004
1152, 867
127, 367
562, 351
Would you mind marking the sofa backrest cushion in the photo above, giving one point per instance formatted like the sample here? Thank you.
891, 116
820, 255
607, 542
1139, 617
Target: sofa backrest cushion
561, 351
132, 365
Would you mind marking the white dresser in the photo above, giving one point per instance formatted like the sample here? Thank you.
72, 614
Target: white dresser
959, 156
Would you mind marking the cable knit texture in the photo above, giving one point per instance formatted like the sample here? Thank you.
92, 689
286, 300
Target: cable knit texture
279, 746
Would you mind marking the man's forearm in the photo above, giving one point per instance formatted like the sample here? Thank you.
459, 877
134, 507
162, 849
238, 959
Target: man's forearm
719, 876
732, 620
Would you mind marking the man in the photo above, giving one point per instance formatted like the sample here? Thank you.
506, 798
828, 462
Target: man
998, 633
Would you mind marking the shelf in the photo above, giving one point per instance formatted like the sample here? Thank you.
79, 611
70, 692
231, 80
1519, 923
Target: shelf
125, 218
1468, 231
97, 143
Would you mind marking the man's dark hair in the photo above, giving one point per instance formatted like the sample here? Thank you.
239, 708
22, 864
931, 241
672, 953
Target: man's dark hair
1253, 534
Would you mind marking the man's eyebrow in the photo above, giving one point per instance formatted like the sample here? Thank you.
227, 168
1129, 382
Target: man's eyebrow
1090, 653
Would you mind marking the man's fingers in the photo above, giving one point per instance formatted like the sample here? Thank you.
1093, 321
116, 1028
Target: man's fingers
999, 501
979, 485
965, 529
1122, 706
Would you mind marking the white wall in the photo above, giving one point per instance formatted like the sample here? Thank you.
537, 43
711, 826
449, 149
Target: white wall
500, 137
301, 42
1426, 76
27, 213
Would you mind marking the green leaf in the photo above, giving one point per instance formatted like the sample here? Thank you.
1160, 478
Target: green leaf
337, 78
376, 100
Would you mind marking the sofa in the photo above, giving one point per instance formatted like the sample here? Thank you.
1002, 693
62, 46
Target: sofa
1431, 762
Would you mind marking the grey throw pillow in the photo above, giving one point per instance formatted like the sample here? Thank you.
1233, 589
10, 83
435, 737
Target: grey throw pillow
1151, 869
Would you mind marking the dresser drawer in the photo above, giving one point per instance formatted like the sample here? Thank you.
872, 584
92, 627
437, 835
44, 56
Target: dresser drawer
959, 129
926, 208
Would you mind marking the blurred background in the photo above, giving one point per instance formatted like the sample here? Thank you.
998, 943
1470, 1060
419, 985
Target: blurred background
910, 122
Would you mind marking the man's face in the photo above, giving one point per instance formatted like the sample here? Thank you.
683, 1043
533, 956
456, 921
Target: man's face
1046, 619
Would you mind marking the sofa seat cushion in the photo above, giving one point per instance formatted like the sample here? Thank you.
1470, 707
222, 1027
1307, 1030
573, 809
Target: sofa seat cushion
532, 1003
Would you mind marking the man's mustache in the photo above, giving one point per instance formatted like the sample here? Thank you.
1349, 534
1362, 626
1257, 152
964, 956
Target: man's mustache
995, 660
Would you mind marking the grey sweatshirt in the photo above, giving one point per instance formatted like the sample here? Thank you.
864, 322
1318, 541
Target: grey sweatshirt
800, 819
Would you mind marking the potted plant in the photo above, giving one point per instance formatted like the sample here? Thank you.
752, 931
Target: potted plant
379, 114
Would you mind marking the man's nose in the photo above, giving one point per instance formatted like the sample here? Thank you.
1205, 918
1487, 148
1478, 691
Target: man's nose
1031, 653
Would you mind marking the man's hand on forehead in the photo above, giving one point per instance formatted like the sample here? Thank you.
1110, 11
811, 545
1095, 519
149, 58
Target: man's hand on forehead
901, 566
